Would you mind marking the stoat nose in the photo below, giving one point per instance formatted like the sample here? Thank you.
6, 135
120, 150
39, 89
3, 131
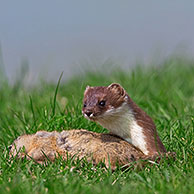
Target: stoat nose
88, 113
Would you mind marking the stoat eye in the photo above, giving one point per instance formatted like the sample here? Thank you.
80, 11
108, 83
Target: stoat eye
84, 105
102, 103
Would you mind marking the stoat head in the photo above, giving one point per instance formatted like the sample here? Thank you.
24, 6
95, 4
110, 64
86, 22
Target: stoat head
100, 102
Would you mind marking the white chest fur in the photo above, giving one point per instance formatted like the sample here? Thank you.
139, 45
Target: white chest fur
137, 137
121, 122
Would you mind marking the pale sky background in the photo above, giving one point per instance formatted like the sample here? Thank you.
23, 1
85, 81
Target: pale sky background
60, 35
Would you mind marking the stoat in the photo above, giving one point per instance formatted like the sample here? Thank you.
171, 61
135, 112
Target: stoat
133, 134
112, 108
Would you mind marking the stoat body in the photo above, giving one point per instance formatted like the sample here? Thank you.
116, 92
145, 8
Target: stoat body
133, 134
113, 108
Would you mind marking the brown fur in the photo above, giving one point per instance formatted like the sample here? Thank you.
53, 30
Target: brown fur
80, 143
154, 144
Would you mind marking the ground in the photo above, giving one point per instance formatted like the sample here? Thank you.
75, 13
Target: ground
165, 92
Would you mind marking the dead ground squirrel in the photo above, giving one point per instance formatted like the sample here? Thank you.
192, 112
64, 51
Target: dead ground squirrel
133, 134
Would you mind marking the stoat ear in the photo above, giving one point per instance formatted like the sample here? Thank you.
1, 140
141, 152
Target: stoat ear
117, 89
87, 88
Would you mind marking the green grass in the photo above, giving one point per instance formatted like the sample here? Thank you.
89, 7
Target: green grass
165, 92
